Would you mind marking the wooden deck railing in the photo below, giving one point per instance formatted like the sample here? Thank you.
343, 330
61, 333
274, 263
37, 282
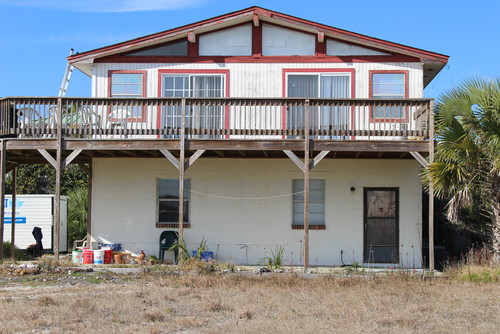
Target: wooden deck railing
214, 118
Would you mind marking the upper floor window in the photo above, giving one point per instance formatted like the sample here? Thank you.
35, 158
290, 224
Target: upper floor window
336, 85
190, 83
125, 84
193, 85
388, 85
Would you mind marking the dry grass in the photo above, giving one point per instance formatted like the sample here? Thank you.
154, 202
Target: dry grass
232, 303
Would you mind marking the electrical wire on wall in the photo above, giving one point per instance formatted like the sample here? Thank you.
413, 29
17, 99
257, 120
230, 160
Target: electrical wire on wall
244, 198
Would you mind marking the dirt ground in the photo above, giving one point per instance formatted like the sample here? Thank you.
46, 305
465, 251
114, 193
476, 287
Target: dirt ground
166, 302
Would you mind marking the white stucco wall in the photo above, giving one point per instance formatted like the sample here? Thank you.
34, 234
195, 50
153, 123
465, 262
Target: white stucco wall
124, 207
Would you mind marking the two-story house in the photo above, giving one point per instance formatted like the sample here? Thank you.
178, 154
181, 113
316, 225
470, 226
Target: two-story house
251, 130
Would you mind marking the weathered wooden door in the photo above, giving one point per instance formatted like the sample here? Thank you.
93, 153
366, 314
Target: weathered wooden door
381, 222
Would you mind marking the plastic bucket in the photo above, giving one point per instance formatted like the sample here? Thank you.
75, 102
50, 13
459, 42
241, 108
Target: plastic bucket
98, 256
207, 256
77, 256
88, 256
108, 256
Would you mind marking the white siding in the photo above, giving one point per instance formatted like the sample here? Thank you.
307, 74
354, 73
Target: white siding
336, 48
124, 207
37, 211
278, 41
264, 80
260, 79
229, 42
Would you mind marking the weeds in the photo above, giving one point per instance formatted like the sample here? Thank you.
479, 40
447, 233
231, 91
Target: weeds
171, 302
202, 248
355, 269
180, 245
476, 266
275, 261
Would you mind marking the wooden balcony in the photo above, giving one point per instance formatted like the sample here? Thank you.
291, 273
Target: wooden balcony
222, 126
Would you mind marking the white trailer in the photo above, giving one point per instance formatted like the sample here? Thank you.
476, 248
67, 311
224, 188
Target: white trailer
32, 211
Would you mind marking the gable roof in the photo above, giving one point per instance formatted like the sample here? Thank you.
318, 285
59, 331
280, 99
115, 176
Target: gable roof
433, 62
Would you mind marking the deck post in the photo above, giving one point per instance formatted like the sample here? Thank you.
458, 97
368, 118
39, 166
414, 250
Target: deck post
89, 206
3, 164
306, 184
57, 199
181, 173
431, 187
13, 215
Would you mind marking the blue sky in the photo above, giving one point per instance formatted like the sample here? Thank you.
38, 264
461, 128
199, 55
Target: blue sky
36, 35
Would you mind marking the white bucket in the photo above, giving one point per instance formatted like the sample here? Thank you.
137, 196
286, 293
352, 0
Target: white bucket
77, 256
98, 256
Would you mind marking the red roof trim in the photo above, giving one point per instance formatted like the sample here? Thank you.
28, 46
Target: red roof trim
257, 59
351, 36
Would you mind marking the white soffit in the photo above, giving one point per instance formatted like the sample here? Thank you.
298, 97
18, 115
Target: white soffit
336, 48
228, 42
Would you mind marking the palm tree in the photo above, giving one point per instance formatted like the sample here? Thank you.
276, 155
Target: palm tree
467, 162
77, 214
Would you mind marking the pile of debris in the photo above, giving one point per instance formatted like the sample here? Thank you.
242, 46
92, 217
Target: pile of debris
22, 269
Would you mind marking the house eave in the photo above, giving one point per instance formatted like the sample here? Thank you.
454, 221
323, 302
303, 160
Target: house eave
255, 15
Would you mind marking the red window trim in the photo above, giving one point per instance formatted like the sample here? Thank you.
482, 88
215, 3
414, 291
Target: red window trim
370, 94
170, 225
144, 82
318, 71
191, 71
311, 227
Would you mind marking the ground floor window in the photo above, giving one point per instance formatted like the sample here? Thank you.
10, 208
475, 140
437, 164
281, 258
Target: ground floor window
316, 204
168, 201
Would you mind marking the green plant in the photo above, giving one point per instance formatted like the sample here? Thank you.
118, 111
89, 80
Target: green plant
77, 214
202, 248
7, 252
180, 246
354, 269
466, 170
275, 261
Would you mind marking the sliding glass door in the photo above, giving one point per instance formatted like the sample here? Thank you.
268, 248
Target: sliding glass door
334, 86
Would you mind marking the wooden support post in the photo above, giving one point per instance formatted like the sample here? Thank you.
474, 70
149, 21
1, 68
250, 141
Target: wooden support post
3, 164
57, 199
13, 215
306, 185
431, 188
181, 173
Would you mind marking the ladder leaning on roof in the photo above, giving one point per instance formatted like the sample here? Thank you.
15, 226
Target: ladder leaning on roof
66, 78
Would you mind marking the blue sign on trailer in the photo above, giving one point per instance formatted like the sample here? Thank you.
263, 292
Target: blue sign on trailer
19, 220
